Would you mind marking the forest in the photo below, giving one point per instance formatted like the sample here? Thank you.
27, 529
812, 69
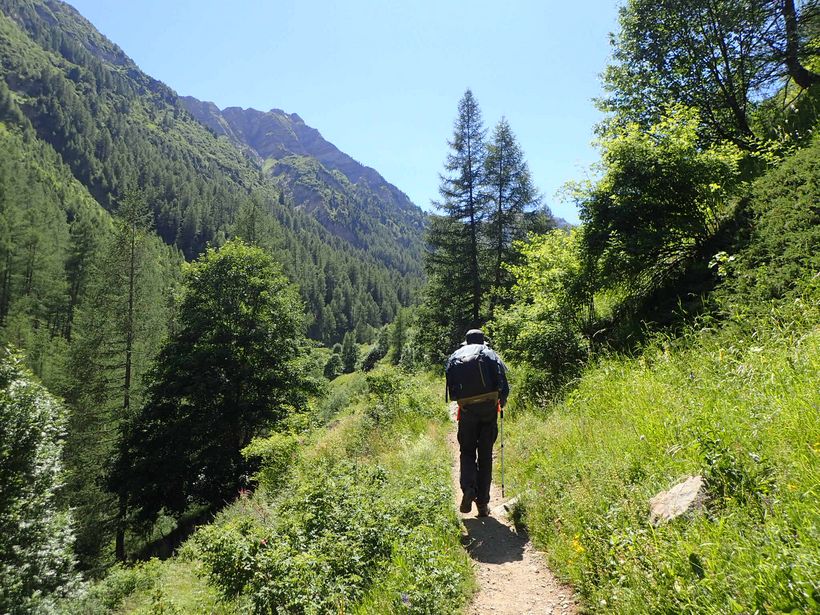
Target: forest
211, 402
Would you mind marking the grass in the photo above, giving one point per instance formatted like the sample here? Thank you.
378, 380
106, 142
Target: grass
367, 523
739, 406
363, 521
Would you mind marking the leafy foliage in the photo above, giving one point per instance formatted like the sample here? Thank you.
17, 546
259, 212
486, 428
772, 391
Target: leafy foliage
230, 369
276, 454
782, 256
36, 534
661, 198
361, 535
722, 58
545, 323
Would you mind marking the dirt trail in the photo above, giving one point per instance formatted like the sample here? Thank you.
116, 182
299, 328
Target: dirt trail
512, 577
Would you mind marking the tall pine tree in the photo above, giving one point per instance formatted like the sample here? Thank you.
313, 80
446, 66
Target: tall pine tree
454, 294
510, 191
117, 332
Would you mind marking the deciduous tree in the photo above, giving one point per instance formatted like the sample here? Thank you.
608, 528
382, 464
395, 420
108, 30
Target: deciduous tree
232, 368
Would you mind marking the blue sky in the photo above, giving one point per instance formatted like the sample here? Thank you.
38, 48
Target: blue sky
381, 79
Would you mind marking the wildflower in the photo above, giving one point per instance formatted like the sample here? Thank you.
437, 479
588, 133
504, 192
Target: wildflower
576, 544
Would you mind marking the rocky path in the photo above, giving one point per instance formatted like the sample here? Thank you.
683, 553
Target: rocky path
512, 576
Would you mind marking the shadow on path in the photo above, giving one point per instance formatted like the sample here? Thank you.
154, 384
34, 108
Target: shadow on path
491, 542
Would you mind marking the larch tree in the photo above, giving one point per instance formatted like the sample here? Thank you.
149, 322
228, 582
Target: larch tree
117, 332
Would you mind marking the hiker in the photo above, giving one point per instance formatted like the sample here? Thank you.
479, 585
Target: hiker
477, 380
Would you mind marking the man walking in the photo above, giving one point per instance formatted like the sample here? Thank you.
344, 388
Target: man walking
477, 379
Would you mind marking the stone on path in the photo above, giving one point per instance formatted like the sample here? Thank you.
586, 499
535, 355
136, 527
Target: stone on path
682, 498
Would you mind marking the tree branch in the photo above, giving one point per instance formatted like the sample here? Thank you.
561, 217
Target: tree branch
801, 75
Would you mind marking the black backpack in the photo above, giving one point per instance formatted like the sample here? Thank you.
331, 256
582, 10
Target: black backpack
472, 375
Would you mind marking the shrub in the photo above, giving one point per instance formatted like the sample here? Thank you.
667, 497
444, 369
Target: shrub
357, 530
782, 255
276, 454
36, 537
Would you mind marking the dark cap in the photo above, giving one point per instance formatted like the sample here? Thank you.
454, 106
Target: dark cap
474, 336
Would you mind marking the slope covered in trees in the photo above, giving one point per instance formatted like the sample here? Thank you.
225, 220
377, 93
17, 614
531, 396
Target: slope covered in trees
118, 129
348, 198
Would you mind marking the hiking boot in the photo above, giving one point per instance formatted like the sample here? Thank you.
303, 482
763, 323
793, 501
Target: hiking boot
466, 503
483, 510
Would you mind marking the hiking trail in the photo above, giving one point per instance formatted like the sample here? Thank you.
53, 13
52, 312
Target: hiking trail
512, 578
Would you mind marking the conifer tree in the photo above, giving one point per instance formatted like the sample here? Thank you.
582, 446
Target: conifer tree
350, 352
462, 197
117, 333
453, 296
398, 334
509, 190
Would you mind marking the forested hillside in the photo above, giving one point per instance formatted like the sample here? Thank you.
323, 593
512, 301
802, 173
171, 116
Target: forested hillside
173, 440
118, 129
348, 198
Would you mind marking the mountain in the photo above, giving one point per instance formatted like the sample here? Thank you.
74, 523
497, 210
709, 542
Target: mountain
349, 199
352, 245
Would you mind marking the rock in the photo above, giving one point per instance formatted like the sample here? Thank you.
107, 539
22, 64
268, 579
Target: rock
682, 498
505, 508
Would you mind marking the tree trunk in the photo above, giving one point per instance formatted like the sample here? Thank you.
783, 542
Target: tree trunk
473, 240
120, 541
801, 75
500, 236
129, 323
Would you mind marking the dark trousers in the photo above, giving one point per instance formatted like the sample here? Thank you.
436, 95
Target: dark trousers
477, 431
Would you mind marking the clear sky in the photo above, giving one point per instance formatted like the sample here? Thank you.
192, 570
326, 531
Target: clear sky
381, 79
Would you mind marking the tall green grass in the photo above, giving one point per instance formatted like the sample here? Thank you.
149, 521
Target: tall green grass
740, 406
354, 517
366, 523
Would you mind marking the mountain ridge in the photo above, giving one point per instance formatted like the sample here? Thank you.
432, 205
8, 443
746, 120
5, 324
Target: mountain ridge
348, 198
305, 140
118, 129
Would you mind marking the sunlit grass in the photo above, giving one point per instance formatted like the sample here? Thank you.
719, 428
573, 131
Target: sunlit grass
739, 406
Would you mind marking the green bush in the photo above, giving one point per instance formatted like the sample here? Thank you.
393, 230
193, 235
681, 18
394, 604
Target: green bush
36, 535
334, 366
782, 256
327, 542
276, 454
356, 529
542, 330
110, 593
